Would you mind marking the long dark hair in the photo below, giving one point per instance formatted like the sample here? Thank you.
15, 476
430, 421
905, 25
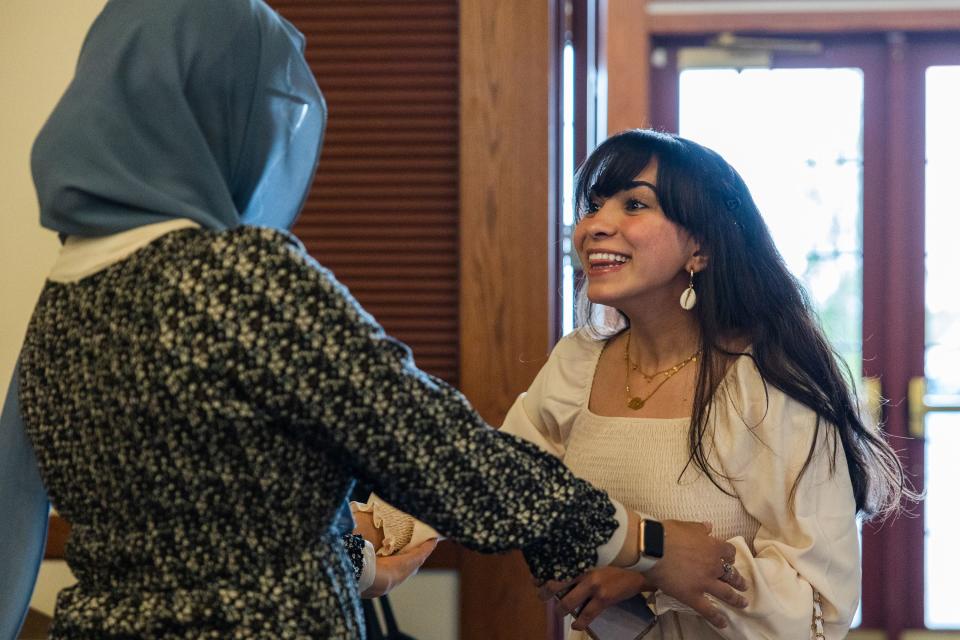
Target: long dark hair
746, 292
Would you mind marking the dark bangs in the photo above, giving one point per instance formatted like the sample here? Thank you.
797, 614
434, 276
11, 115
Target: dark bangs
610, 169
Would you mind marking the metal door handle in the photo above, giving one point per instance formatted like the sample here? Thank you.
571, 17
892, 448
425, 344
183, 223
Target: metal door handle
920, 404
873, 399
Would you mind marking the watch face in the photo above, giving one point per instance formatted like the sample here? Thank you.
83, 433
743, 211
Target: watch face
652, 538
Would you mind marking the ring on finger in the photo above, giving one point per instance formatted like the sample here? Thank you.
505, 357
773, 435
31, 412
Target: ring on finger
728, 569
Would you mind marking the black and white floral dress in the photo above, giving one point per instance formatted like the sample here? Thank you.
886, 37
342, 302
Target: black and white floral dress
201, 409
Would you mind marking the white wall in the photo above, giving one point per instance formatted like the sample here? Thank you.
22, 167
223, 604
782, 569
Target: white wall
427, 605
39, 43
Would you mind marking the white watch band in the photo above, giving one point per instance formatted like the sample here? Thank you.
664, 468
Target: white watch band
645, 563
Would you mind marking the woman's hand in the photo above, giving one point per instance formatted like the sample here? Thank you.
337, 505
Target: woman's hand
693, 565
590, 593
392, 570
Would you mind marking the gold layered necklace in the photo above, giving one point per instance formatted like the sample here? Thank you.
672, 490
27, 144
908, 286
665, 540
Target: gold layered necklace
636, 402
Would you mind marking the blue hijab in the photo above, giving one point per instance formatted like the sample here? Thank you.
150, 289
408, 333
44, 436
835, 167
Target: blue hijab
199, 109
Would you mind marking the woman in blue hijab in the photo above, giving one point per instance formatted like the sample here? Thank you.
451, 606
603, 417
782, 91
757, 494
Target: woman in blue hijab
200, 394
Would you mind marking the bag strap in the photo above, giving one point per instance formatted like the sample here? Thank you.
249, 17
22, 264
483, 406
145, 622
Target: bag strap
816, 624
371, 621
392, 628
375, 628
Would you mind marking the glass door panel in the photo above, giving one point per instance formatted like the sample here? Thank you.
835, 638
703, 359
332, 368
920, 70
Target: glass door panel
942, 526
942, 355
942, 228
801, 156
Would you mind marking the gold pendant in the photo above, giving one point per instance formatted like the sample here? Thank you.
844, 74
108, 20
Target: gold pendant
635, 403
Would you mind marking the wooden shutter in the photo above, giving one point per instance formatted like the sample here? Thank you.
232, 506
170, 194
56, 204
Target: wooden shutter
384, 209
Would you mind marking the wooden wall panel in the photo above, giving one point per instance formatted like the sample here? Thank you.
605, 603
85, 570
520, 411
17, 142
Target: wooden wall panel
625, 54
383, 211
507, 193
508, 112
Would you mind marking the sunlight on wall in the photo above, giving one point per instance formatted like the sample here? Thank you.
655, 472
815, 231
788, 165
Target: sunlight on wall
39, 43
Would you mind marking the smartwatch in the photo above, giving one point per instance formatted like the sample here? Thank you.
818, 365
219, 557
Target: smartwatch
650, 545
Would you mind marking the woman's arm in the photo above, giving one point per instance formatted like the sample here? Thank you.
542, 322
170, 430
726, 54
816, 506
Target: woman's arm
544, 416
391, 571
322, 369
811, 544
687, 573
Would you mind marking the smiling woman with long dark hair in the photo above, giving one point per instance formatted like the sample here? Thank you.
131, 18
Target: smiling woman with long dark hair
700, 386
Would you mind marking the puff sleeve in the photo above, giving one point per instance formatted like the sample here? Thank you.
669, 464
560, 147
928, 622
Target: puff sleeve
348, 389
545, 414
762, 439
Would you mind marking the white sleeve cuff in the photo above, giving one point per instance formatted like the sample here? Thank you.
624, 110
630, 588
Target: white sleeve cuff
369, 567
609, 550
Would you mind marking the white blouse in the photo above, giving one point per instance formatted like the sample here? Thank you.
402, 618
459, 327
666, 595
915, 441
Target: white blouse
758, 441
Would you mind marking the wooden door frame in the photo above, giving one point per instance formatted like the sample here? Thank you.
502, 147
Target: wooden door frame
509, 114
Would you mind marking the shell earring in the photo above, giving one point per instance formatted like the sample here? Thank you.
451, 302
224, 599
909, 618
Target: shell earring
688, 299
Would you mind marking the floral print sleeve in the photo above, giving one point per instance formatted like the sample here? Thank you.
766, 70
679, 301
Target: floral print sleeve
328, 374
353, 545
